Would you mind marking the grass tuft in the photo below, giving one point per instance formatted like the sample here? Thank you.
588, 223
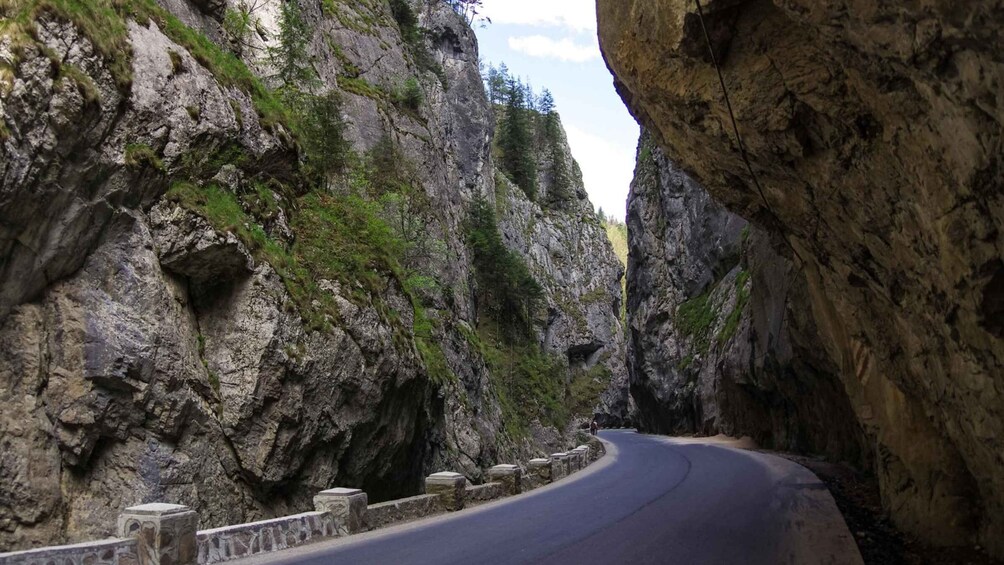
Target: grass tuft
140, 155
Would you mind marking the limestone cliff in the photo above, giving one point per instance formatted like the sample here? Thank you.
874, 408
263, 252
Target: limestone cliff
874, 133
199, 304
718, 340
568, 251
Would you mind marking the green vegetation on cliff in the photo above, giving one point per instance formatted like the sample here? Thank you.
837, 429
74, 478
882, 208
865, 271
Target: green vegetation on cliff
515, 139
529, 139
508, 295
617, 234
104, 23
586, 387
698, 316
529, 382
695, 318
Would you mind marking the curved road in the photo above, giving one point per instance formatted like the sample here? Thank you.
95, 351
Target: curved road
649, 500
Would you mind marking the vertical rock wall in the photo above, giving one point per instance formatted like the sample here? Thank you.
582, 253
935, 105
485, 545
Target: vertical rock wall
152, 354
874, 130
718, 342
567, 250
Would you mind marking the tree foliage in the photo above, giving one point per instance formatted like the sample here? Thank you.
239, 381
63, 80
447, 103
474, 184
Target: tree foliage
470, 10
529, 128
241, 24
515, 139
289, 57
560, 188
323, 135
506, 290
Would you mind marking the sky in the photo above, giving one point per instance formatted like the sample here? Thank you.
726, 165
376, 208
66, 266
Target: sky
552, 44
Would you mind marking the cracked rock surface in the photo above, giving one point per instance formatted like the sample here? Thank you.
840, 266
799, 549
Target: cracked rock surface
874, 130
147, 354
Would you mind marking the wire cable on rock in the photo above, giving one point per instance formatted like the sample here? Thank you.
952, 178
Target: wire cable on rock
749, 167
735, 128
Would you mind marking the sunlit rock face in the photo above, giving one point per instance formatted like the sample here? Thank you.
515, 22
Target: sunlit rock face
148, 354
874, 130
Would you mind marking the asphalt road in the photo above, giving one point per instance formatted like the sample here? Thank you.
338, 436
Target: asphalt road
650, 500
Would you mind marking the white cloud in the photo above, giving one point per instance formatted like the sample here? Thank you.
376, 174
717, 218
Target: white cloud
576, 15
607, 169
564, 49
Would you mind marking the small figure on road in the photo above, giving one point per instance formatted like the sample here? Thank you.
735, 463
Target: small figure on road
593, 427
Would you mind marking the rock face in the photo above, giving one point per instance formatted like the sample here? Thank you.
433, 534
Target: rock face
874, 132
718, 342
157, 343
568, 252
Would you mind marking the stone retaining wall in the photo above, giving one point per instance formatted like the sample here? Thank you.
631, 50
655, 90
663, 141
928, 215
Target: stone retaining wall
243, 540
106, 552
402, 510
484, 493
162, 534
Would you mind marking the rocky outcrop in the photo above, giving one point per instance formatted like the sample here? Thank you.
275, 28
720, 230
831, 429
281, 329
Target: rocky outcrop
178, 319
874, 133
718, 340
568, 252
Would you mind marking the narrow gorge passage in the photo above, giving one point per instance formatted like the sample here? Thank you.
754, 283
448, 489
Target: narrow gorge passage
256, 250
648, 501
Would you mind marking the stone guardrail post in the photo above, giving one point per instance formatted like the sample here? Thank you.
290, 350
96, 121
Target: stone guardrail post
559, 465
450, 487
346, 505
582, 454
540, 469
575, 460
165, 533
509, 475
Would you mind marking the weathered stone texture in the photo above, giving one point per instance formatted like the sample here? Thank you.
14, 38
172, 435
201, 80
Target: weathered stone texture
450, 488
165, 533
267, 536
510, 476
874, 130
749, 360
105, 552
147, 357
538, 473
346, 505
401, 510
477, 494
567, 250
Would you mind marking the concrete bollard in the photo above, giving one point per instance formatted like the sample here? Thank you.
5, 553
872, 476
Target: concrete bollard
166, 533
559, 465
346, 505
540, 471
510, 476
450, 487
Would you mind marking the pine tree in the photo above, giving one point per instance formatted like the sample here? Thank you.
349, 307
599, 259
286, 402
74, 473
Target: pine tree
241, 24
515, 140
546, 105
323, 135
529, 97
496, 85
289, 57
503, 82
470, 10
560, 187
506, 290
